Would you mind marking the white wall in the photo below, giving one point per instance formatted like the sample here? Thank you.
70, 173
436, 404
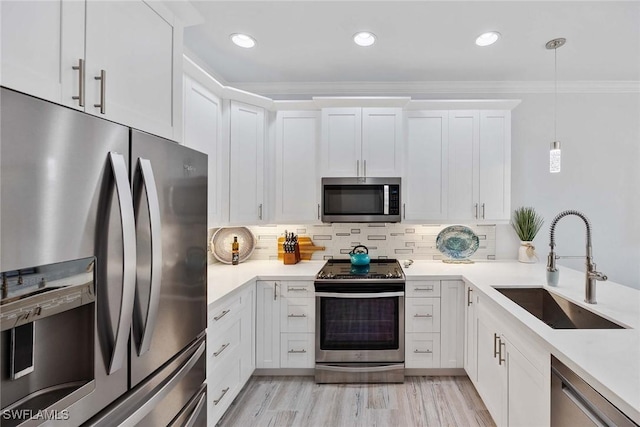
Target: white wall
600, 136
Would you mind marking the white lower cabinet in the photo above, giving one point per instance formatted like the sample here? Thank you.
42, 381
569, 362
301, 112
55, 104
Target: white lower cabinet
452, 324
470, 335
286, 324
434, 324
515, 388
230, 350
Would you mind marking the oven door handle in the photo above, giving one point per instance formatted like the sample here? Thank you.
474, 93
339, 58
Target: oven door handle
359, 295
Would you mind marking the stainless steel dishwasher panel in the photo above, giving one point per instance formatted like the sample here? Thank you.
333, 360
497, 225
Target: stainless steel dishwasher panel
576, 403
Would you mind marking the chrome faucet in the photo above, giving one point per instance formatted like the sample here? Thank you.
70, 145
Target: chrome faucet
591, 274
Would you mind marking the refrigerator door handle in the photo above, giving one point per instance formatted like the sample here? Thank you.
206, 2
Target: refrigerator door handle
153, 204
167, 387
120, 174
199, 406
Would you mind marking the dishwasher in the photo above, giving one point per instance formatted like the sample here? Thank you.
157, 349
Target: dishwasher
576, 403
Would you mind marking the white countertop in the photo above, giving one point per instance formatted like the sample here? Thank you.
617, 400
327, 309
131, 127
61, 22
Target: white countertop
607, 359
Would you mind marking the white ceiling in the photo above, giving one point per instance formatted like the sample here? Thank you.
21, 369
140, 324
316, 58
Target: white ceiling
420, 44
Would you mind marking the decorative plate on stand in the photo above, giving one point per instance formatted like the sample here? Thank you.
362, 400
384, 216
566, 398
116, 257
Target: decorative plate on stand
457, 242
223, 238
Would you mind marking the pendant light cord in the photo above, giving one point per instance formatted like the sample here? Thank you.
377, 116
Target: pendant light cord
555, 101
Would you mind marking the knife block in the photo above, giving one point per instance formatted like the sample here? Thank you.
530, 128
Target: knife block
292, 257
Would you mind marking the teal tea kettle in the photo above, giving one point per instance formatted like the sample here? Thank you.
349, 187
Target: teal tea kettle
359, 255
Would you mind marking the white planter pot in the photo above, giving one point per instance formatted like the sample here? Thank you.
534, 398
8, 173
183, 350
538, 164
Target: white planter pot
527, 253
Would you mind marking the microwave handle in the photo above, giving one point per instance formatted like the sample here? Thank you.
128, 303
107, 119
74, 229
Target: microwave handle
386, 200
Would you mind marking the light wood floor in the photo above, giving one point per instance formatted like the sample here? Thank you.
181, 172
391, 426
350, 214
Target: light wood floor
298, 401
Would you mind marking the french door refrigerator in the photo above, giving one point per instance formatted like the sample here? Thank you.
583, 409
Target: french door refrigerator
74, 186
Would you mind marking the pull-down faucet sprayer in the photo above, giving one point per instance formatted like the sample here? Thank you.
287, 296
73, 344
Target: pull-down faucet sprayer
591, 274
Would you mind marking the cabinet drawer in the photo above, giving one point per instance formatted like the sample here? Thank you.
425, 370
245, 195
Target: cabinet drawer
422, 314
422, 350
223, 313
297, 289
221, 390
297, 350
222, 346
422, 288
297, 315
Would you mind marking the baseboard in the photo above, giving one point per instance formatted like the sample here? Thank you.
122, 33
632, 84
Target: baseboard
309, 372
435, 372
285, 372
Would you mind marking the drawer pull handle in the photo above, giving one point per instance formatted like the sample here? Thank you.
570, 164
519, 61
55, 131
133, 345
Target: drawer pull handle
500, 358
297, 315
495, 345
422, 351
423, 315
224, 313
224, 346
292, 351
297, 289
428, 288
215, 402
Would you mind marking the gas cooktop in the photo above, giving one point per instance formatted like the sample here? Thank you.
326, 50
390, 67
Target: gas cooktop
377, 270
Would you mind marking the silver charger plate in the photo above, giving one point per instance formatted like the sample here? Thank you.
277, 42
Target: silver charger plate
457, 242
223, 238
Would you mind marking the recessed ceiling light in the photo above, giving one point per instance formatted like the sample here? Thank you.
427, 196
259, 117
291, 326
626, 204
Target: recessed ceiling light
243, 40
364, 38
487, 39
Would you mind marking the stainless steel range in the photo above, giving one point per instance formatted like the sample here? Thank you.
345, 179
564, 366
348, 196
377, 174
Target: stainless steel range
360, 322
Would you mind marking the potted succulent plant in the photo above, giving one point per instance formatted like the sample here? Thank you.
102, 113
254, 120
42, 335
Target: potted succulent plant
526, 222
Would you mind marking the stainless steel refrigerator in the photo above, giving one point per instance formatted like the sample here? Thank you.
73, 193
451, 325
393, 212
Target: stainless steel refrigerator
74, 186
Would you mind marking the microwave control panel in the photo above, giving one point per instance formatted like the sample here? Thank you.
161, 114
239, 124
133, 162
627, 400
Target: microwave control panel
394, 200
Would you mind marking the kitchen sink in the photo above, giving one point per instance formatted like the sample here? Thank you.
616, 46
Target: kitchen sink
556, 311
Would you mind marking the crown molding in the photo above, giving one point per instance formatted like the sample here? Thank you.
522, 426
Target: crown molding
417, 88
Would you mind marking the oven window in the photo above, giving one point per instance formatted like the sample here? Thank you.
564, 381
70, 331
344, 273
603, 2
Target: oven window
353, 199
359, 323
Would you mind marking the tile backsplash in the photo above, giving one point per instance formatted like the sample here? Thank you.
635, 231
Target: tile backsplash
401, 241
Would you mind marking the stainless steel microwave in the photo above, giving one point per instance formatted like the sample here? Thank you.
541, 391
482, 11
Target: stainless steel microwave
361, 200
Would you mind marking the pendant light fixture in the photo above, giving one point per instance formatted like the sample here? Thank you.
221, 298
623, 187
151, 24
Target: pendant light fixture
554, 152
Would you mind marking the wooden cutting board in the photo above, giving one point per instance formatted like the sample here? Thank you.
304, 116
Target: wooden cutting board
307, 248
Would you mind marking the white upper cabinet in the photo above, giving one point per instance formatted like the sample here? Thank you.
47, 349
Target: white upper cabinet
426, 167
495, 165
381, 142
202, 129
361, 142
479, 165
122, 56
132, 45
39, 52
297, 186
246, 165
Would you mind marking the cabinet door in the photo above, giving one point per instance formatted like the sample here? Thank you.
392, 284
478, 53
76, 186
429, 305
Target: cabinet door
41, 42
202, 132
452, 324
246, 169
296, 178
426, 165
491, 384
267, 325
528, 391
341, 142
134, 45
470, 334
381, 142
495, 165
463, 165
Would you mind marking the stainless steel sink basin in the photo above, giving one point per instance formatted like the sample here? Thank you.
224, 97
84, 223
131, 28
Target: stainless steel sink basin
556, 311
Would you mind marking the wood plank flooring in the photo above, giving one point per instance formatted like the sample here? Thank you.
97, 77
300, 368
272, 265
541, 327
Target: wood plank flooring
299, 401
